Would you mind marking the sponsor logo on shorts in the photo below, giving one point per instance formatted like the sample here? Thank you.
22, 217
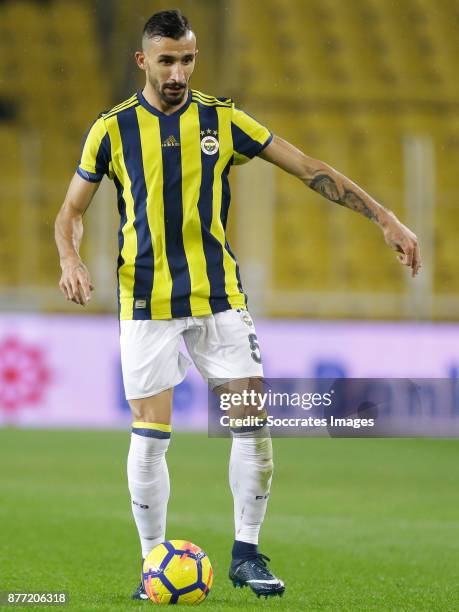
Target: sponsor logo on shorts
247, 319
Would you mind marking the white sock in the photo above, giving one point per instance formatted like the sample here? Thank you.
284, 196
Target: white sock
250, 474
148, 480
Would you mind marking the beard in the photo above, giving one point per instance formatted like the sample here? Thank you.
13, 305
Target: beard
170, 93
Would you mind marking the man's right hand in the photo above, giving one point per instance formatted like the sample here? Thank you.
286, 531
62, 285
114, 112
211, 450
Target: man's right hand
75, 282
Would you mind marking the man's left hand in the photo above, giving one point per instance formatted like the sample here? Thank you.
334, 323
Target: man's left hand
403, 241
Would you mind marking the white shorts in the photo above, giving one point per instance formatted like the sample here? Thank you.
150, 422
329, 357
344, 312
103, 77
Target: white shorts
223, 347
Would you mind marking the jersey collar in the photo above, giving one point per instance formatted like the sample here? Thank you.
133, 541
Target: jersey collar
157, 112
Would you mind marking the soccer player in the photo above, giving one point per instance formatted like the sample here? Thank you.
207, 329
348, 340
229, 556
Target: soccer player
169, 150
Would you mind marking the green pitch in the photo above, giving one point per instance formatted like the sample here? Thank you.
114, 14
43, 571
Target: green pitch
352, 524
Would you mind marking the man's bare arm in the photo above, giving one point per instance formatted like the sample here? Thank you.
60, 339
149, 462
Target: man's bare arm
336, 187
75, 281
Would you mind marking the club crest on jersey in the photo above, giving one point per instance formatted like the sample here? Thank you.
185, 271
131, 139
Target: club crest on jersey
209, 144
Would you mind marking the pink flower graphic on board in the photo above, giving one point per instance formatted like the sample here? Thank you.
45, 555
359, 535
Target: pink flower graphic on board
24, 375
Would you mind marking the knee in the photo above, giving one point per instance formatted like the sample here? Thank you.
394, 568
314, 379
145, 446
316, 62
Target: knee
153, 409
242, 395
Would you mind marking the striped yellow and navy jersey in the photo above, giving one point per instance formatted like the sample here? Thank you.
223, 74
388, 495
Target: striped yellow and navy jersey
171, 174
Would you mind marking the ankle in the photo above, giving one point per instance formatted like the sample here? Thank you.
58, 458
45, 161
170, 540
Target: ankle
244, 550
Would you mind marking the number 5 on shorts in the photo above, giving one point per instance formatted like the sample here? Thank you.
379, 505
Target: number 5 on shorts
255, 347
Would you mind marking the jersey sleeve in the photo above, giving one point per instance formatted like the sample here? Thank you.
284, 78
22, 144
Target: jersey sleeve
95, 158
249, 136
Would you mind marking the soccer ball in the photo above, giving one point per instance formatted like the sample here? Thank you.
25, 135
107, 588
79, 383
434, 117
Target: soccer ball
177, 571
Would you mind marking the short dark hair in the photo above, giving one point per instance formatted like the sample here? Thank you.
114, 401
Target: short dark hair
170, 24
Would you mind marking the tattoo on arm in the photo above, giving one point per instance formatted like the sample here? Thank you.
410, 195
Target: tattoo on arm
326, 186
355, 202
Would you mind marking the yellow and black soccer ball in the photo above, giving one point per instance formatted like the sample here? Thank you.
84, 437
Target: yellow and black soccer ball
177, 572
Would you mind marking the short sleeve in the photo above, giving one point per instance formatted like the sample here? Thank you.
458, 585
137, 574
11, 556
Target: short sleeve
95, 158
249, 136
